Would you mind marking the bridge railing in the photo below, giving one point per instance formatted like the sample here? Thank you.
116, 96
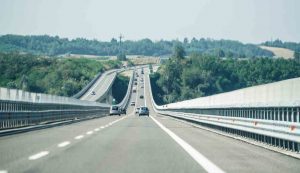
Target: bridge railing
92, 82
125, 101
276, 123
20, 108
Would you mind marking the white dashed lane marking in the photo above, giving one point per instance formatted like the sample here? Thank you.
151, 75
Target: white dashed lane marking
89, 132
38, 155
63, 144
3, 171
79, 137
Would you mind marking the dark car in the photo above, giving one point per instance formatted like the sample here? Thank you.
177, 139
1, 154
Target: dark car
123, 111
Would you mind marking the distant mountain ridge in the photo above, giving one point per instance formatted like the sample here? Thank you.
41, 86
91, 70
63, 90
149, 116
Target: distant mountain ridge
53, 46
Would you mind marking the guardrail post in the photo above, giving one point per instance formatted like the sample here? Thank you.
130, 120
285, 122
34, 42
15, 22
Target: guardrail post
298, 115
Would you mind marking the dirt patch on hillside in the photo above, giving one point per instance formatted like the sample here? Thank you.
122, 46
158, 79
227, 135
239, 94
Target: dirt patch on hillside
280, 52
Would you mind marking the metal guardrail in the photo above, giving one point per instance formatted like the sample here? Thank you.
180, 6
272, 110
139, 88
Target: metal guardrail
92, 82
87, 87
104, 94
277, 126
20, 108
125, 101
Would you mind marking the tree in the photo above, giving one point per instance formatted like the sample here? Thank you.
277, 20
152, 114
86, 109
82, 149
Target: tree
221, 53
114, 41
24, 83
178, 52
203, 75
297, 56
186, 40
121, 57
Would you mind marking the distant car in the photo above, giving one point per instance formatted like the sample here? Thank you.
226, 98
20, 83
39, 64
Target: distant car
137, 110
143, 111
135, 83
123, 111
114, 110
142, 86
93, 93
132, 104
134, 89
141, 96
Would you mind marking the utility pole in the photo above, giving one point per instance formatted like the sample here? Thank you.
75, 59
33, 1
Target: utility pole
120, 37
121, 56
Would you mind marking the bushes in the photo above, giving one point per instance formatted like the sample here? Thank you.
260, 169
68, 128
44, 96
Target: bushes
119, 88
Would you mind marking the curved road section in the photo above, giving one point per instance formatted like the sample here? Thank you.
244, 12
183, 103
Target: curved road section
100, 88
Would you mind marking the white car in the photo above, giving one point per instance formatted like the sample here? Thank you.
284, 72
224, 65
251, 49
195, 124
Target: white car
114, 110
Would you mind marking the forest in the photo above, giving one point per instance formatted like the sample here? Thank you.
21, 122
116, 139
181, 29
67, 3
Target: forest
182, 78
57, 76
53, 46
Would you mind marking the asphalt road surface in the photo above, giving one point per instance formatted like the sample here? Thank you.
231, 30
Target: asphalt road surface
133, 144
99, 87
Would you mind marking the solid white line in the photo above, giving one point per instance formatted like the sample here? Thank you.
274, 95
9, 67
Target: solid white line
145, 91
63, 144
137, 93
79, 137
198, 157
38, 155
89, 132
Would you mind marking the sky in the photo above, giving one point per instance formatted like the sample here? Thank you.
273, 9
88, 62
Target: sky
249, 21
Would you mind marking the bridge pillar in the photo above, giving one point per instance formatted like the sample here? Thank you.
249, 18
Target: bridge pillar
108, 98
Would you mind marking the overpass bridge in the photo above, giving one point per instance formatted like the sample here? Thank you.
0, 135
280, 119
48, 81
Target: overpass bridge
248, 132
99, 89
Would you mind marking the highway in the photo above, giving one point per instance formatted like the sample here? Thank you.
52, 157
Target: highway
100, 86
133, 144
